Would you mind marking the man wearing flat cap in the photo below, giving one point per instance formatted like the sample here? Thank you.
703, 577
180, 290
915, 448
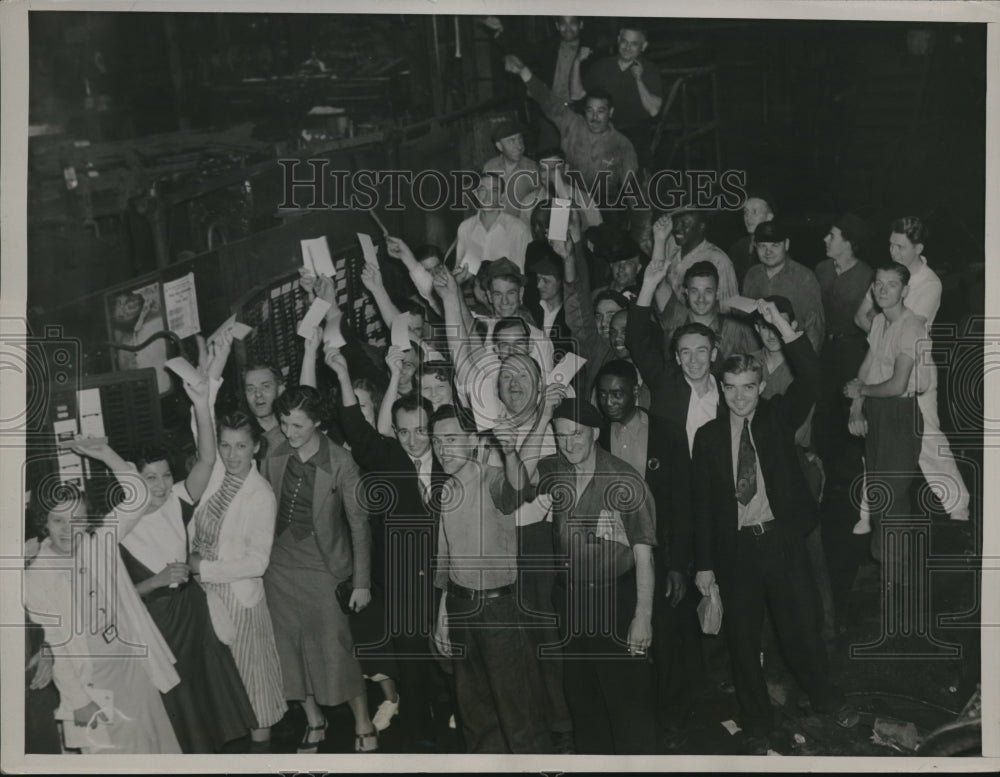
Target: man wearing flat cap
520, 174
779, 274
604, 527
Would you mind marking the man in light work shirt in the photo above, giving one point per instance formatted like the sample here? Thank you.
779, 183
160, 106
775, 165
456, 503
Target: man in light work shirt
779, 274
593, 146
685, 244
636, 85
906, 246
491, 234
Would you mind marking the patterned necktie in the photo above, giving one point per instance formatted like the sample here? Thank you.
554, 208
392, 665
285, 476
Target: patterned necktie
746, 467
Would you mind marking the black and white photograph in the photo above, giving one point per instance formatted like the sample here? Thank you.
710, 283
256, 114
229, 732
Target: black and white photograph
391, 385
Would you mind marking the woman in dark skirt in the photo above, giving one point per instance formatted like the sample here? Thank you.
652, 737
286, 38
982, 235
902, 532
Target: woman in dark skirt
210, 706
322, 539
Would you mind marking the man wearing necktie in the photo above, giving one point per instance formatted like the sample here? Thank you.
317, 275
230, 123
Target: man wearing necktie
753, 510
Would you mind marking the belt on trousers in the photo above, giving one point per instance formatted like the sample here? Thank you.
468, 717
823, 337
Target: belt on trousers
461, 592
759, 529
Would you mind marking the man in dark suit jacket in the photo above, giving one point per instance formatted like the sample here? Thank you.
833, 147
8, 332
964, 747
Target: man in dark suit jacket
400, 486
752, 510
663, 460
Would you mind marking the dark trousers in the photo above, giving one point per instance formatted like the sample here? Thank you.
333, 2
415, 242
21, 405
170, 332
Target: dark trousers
539, 619
892, 461
677, 653
497, 681
610, 694
772, 571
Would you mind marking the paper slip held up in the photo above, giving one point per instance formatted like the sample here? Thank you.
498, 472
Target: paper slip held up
741, 303
313, 317
316, 256
239, 330
564, 371
183, 369
559, 219
368, 248
731, 727
401, 332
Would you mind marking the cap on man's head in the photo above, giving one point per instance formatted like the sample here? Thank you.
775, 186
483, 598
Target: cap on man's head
770, 232
541, 258
502, 267
579, 411
783, 304
854, 230
504, 129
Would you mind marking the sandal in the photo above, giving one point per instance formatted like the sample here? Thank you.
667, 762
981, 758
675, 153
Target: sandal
366, 743
307, 745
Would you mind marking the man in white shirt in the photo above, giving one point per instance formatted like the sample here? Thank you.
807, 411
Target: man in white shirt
923, 297
491, 233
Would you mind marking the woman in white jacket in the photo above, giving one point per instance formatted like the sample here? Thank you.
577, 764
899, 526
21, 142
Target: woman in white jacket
110, 662
230, 549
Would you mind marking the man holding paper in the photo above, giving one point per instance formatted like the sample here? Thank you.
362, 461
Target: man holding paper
491, 233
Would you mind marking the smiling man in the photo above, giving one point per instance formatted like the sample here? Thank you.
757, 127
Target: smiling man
752, 511
262, 384
520, 174
593, 146
779, 274
700, 304
687, 245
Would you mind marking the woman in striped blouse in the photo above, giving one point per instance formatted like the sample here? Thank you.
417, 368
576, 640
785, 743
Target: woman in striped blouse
230, 549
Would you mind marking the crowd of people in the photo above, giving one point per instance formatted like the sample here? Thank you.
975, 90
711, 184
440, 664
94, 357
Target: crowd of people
510, 520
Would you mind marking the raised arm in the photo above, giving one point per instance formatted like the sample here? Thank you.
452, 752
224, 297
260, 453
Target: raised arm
421, 277
798, 400
555, 109
198, 477
394, 360
866, 311
651, 102
638, 338
307, 375
576, 88
371, 277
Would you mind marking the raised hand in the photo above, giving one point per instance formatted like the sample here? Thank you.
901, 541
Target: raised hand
583, 53
445, 283
636, 69
397, 249
555, 393
326, 290
307, 281
197, 392
335, 361
314, 339
371, 277
506, 435
100, 451
655, 272
662, 228
218, 354
513, 64
394, 359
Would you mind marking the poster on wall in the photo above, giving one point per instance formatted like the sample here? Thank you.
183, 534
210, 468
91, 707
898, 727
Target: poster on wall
135, 314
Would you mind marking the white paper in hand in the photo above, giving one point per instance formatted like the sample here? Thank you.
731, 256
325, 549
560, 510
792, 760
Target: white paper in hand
401, 332
313, 317
559, 219
741, 303
472, 261
368, 249
183, 369
316, 256
564, 371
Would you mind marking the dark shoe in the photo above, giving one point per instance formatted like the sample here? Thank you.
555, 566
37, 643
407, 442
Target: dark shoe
563, 743
309, 743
